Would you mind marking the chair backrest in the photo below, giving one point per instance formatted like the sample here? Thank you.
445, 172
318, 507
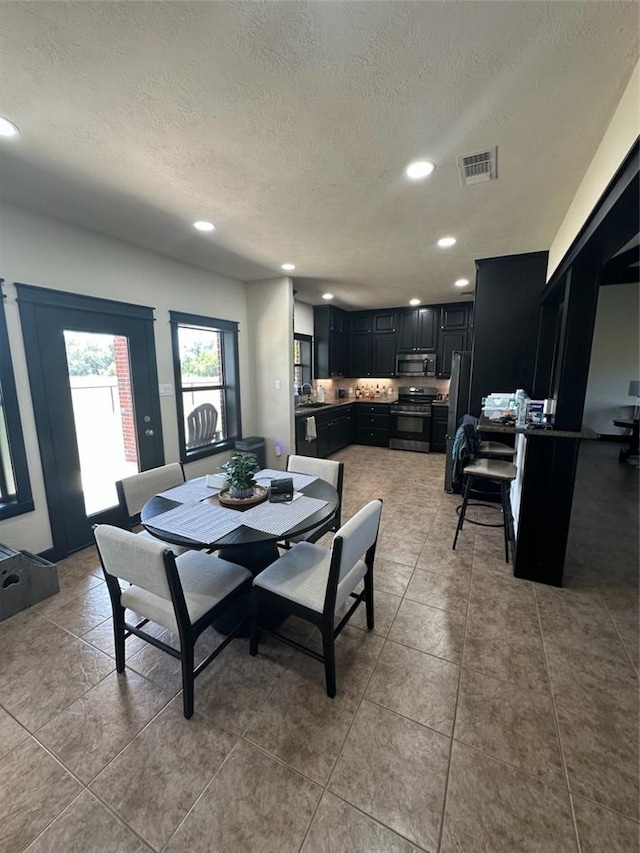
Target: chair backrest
133, 558
202, 423
358, 535
325, 469
135, 491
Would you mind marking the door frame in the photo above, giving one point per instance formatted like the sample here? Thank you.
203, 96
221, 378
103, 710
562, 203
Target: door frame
30, 299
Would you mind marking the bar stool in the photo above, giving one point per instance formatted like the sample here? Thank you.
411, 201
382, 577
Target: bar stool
498, 471
496, 450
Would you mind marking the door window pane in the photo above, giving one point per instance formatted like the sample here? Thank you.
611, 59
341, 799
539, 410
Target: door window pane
103, 411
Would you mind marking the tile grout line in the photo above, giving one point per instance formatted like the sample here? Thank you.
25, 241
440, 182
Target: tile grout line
619, 635
361, 700
455, 708
557, 728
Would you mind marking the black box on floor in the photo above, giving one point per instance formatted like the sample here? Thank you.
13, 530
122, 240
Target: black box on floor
25, 579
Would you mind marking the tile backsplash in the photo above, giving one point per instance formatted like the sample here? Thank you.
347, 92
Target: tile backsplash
390, 386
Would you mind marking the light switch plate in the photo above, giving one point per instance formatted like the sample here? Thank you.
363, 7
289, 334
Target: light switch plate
278, 386
166, 390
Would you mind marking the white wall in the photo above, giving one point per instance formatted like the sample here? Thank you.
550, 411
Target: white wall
302, 318
270, 307
45, 252
616, 143
615, 357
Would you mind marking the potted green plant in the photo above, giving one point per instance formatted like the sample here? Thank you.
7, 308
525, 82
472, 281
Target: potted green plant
239, 471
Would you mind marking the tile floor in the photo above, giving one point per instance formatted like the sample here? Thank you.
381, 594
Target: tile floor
483, 714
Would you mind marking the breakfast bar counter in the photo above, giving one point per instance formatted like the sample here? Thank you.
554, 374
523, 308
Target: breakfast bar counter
541, 496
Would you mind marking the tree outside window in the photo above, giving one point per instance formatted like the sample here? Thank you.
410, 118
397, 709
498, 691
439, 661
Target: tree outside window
207, 386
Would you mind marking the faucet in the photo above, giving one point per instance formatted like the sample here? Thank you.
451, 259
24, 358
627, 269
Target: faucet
310, 387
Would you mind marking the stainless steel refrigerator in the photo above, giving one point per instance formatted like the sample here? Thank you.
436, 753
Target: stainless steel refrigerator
458, 406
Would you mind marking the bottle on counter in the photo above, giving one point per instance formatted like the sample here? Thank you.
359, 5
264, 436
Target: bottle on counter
357, 392
384, 391
522, 407
377, 390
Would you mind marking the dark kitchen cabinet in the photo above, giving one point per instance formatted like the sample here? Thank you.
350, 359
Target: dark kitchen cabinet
506, 322
454, 335
449, 343
455, 317
330, 341
383, 355
372, 424
418, 330
439, 417
366, 322
360, 348
335, 429
360, 323
384, 322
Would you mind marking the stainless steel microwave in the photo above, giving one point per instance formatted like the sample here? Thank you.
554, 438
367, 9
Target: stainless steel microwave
415, 364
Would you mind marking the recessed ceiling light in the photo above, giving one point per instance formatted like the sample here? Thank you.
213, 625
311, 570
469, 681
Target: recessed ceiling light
419, 169
461, 282
446, 242
201, 225
287, 267
8, 128
414, 302
327, 295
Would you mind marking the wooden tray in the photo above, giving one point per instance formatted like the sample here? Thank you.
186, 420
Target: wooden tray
261, 494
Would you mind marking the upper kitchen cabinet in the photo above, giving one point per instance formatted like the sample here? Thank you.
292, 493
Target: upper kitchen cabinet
372, 355
376, 322
455, 317
330, 341
418, 330
454, 335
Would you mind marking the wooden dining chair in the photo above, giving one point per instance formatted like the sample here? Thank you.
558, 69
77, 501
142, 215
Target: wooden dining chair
325, 469
183, 594
134, 491
313, 583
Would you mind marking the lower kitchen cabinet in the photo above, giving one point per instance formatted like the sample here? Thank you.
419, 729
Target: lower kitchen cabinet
439, 418
372, 424
334, 429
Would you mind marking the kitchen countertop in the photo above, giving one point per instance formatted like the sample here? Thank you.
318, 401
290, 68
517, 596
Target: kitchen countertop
310, 410
486, 425
441, 403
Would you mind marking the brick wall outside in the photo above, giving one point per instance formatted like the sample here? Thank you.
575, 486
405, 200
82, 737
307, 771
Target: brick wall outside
121, 349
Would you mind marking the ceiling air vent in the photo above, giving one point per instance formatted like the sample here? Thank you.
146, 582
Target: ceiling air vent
478, 168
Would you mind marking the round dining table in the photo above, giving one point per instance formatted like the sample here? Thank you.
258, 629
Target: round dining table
253, 549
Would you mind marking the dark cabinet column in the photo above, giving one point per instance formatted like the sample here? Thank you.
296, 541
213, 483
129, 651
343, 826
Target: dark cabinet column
507, 311
573, 353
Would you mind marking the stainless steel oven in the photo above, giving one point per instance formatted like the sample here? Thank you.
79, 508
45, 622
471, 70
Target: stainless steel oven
415, 364
410, 423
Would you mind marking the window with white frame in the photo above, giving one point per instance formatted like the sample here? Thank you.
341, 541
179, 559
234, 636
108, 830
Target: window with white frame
205, 353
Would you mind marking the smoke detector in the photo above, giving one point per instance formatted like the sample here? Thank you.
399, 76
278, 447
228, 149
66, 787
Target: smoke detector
479, 167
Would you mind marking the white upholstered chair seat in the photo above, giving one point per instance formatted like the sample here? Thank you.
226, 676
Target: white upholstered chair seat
315, 583
206, 580
185, 594
301, 575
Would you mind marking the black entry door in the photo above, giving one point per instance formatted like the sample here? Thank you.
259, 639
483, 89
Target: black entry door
94, 386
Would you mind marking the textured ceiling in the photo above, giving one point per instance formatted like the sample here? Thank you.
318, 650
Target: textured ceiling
288, 124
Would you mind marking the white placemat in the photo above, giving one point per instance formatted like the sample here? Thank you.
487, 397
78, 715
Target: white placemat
193, 490
277, 519
201, 522
265, 476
